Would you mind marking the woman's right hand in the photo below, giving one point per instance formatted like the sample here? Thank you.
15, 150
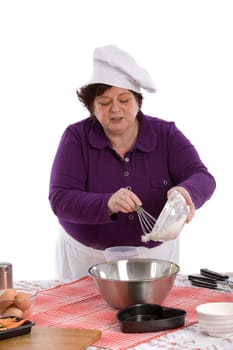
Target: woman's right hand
187, 198
124, 201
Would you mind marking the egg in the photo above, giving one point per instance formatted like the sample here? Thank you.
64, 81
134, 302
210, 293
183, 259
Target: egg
6, 299
13, 311
22, 301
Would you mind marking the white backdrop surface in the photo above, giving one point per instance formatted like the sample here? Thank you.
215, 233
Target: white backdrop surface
46, 53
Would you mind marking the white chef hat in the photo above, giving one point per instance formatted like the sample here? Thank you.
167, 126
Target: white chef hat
115, 67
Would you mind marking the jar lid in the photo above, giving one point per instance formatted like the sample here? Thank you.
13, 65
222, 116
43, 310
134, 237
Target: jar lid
4, 266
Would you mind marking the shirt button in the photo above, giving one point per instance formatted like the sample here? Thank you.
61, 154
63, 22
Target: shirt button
126, 173
165, 182
131, 217
129, 188
127, 159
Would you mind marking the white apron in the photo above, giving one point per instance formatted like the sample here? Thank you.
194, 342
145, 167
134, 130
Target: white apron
73, 259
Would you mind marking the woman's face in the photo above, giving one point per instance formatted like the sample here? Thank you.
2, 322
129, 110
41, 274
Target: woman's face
116, 110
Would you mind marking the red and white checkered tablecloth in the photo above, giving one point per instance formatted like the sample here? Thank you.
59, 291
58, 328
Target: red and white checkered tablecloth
78, 305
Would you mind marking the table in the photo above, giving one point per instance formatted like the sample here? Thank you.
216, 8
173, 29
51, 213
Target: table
189, 338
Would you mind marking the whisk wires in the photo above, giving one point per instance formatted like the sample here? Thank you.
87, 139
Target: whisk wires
147, 221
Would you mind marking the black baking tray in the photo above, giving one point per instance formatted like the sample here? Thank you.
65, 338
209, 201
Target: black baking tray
139, 318
14, 332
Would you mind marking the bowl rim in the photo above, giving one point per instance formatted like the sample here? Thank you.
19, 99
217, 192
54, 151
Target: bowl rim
200, 312
173, 274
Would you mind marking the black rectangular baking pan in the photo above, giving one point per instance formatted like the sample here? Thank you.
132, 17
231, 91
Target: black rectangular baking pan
14, 332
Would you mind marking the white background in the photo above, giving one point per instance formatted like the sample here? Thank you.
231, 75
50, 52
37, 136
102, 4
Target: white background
46, 53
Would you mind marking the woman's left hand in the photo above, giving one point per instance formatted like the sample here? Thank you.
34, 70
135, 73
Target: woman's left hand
187, 198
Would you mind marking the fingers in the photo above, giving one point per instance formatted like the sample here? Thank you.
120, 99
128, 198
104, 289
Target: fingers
191, 213
124, 201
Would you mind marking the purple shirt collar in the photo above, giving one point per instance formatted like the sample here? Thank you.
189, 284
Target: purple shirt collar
146, 142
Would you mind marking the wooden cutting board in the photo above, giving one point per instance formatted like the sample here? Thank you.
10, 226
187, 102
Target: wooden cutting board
47, 338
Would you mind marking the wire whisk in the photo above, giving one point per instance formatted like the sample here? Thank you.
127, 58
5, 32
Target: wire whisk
147, 221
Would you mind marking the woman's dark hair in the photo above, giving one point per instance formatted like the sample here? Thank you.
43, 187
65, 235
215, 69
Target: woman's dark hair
88, 93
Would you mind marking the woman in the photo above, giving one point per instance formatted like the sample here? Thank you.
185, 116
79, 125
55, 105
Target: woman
114, 161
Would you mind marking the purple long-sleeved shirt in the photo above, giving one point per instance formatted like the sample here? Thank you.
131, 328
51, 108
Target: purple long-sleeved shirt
87, 171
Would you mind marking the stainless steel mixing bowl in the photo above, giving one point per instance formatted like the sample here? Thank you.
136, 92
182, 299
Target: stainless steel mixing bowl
134, 281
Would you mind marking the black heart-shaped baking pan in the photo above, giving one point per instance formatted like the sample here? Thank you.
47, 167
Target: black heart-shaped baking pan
139, 318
